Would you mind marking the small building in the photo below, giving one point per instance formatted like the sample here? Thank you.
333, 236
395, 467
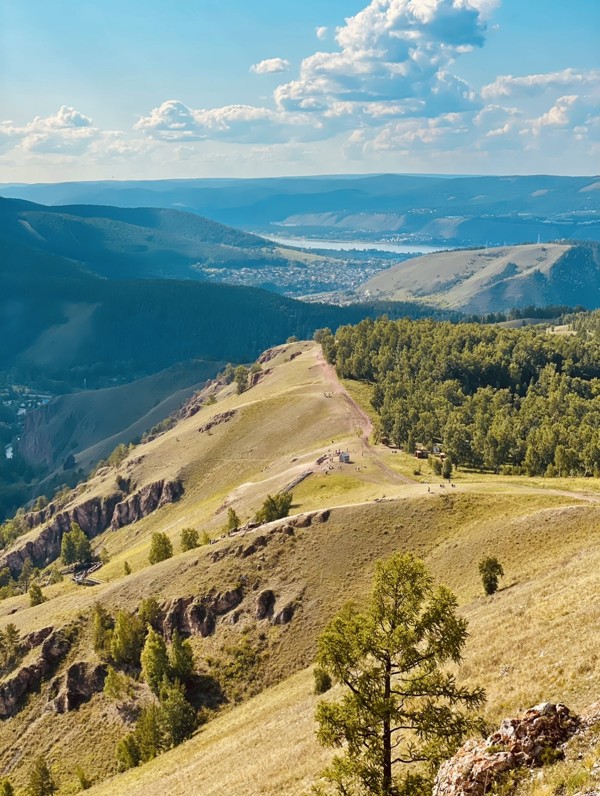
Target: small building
421, 453
344, 457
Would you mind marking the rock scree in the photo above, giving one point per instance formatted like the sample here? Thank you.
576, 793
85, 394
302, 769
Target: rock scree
526, 741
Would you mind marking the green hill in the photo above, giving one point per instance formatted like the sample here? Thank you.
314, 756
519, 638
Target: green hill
231, 454
493, 280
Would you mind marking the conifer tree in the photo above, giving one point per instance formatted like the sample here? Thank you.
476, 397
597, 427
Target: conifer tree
36, 596
155, 663
148, 732
41, 781
160, 548
181, 658
179, 719
127, 639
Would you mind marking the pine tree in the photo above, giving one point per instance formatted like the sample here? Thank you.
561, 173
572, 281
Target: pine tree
83, 547
36, 596
41, 781
127, 639
102, 631
6, 788
148, 732
149, 611
128, 752
233, 521
179, 719
181, 659
400, 704
155, 663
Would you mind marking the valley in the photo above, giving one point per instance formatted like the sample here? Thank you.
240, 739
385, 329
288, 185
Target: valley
231, 453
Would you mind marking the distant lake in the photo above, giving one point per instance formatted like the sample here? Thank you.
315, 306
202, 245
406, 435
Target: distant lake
358, 245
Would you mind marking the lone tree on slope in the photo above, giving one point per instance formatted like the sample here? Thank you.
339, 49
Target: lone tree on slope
490, 570
399, 704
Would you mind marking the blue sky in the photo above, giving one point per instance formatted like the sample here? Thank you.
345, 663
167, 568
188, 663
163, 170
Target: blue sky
99, 89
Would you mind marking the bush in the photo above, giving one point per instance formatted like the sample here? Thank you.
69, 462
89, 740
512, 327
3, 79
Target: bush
275, 507
322, 680
189, 539
436, 465
160, 548
36, 596
490, 570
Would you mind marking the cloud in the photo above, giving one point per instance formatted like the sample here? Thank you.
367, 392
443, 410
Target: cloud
321, 32
66, 131
395, 51
175, 121
531, 85
271, 66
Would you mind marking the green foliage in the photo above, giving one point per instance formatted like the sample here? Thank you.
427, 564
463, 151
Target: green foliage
6, 788
10, 647
126, 568
189, 539
322, 680
447, 468
495, 396
75, 546
149, 611
204, 539
436, 465
128, 752
41, 781
117, 685
490, 570
181, 659
119, 455
233, 521
36, 596
85, 783
27, 573
127, 639
155, 662
241, 378
275, 507
102, 631
178, 717
148, 732
400, 703
160, 548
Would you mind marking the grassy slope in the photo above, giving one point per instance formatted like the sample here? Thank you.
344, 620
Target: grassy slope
457, 279
547, 542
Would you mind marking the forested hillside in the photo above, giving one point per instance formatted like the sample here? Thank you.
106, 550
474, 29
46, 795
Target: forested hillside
518, 400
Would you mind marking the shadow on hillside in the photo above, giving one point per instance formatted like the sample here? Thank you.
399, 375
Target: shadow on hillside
205, 691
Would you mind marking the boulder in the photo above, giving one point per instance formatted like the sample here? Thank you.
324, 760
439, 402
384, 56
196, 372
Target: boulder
285, 614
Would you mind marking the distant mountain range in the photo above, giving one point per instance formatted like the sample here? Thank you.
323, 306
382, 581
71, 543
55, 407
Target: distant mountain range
83, 296
492, 280
444, 210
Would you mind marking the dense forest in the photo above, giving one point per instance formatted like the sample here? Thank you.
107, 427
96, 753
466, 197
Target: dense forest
522, 401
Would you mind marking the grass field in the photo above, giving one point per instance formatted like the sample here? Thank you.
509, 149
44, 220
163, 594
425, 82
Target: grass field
534, 639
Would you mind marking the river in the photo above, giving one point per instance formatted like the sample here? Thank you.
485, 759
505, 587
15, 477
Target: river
358, 245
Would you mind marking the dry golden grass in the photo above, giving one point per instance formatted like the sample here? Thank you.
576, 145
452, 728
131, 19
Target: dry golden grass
534, 639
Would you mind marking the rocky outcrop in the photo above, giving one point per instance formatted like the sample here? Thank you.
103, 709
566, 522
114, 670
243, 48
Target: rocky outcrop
29, 678
285, 614
145, 501
265, 603
93, 515
221, 417
77, 685
197, 616
529, 740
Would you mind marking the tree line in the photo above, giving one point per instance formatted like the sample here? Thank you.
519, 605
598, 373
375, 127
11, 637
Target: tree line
510, 400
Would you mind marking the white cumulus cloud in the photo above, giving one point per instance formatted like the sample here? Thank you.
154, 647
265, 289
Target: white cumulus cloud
271, 66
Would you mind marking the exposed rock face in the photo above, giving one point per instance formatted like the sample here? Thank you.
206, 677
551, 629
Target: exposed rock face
265, 604
222, 417
521, 741
145, 501
193, 616
79, 683
285, 615
28, 678
94, 516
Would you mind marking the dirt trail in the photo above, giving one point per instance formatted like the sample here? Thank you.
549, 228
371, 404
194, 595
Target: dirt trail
360, 418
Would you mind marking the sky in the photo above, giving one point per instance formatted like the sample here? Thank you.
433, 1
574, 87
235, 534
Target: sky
155, 89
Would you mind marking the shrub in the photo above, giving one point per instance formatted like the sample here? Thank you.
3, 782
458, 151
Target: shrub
36, 596
436, 465
490, 570
275, 507
189, 539
160, 548
322, 680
